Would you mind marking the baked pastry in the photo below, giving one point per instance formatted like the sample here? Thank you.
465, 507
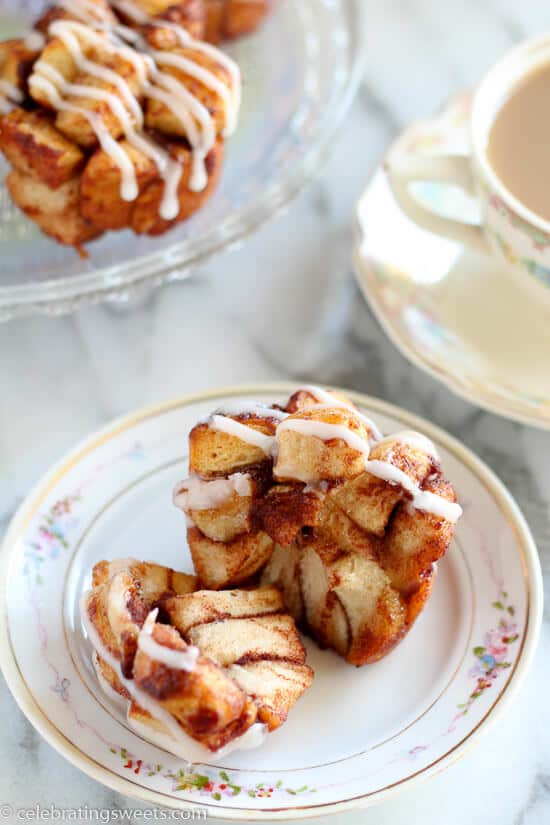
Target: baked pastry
249, 635
228, 19
123, 594
114, 115
347, 523
231, 471
198, 672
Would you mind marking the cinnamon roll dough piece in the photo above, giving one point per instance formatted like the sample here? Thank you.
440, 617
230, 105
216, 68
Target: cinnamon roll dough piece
55, 211
321, 444
34, 147
234, 18
204, 701
221, 564
249, 635
219, 671
124, 593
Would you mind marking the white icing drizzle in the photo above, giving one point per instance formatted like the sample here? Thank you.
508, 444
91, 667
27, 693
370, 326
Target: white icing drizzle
196, 493
388, 472
251, 408
67, 31
192, 751
87, 10
45, 76
50, 82
326, 432
143, 699
98, 29
117, 611
175, 740
206, 77
175, 659
415, 440
327, 399
420, 499
231, 96
436, 505
248, 434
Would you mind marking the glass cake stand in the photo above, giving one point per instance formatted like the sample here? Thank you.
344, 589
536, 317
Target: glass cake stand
300, 75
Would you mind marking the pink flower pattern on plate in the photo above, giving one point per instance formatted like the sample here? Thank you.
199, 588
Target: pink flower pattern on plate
493, 655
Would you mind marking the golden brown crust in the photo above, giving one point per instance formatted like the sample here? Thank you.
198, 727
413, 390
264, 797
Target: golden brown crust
225, 564
108, 674
206, 702
190, 14
202, 607
56, 146
229, 19
215, 453
55, 211
417, 539
50, 16
244, 660
33, 145
157, 114
368, 500
353, 554
286, 510
305, 398
275, 687
124, 593
312, 459
416, 600
244, 16
101, 202
16, 61
146, 218
53, 13
336, 526
226, 522
247, 633
214, 24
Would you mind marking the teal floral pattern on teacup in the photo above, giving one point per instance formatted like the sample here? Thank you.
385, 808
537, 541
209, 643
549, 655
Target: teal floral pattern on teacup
536, 260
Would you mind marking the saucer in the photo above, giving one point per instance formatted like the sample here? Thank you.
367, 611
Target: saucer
352, 739
464, 318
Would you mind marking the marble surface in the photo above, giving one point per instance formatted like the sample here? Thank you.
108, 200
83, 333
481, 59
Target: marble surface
285, 306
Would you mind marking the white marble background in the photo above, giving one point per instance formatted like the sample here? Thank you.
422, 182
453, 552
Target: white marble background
303, 318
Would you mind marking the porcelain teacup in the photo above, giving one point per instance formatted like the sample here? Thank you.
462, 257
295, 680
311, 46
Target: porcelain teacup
507, 228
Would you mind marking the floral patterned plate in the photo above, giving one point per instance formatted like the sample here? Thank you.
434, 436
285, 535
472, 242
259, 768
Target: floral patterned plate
358, 735
469, 321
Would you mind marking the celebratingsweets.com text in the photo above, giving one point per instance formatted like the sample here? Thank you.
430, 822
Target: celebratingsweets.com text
86, 813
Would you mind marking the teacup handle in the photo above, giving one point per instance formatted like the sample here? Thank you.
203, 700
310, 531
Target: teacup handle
404, 168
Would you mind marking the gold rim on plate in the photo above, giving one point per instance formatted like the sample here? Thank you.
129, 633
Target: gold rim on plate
508, 507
